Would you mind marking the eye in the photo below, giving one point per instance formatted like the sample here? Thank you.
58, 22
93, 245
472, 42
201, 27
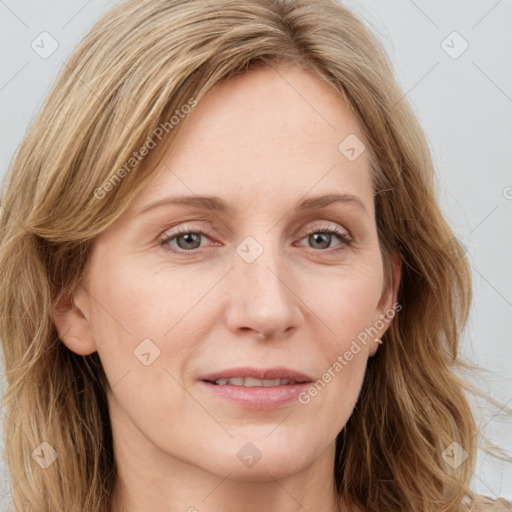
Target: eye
186, 239
322, 237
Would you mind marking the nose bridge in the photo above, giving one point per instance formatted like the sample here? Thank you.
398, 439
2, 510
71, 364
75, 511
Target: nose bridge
261, 299
259, 264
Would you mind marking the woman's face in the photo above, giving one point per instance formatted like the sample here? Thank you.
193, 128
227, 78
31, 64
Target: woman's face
266, 281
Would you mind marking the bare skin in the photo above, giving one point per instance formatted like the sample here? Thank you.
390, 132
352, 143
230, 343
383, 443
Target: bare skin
263, 148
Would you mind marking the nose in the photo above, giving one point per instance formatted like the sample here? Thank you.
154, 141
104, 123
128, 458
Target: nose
262, 303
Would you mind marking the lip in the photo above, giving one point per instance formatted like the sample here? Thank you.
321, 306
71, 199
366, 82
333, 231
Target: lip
257, 397
280, 372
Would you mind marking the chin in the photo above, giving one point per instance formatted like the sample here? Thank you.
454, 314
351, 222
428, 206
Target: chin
272, 469
261, 459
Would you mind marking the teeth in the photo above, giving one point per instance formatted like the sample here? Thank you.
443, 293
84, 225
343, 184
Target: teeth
250, 382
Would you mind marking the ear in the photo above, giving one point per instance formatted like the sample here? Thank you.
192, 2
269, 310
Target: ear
70, 317
387, 301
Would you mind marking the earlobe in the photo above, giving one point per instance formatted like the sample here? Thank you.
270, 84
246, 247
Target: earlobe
73, 325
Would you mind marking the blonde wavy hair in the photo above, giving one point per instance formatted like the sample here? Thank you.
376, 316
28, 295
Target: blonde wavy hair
143, 60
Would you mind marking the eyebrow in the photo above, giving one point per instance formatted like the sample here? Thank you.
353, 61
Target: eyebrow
217, 204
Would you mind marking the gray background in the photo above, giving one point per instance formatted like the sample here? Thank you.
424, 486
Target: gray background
463, 103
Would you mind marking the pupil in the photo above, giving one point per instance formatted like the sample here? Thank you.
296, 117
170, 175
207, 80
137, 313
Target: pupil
189, 238
317, 238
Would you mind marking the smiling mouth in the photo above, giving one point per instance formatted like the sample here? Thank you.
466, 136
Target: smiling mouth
251, 382
256, 388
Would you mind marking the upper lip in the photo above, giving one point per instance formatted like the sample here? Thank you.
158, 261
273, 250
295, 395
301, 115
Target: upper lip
258, 373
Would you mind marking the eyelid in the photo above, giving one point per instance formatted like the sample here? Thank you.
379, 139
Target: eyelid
208, 231
345, 238
167, 236
320, 228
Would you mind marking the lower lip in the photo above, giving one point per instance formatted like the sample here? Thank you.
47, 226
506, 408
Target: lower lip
258, 397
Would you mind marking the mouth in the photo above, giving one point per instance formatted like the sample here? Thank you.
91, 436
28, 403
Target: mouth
255, 388
251, 382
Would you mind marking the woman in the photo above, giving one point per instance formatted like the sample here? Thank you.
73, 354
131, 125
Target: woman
227, 283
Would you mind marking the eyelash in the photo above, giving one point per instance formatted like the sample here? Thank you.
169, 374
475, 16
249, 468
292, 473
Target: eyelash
346, 241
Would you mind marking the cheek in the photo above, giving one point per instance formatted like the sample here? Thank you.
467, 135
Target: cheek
147, 325
177, 309
140, 315
139, 303
348, 306
142, 344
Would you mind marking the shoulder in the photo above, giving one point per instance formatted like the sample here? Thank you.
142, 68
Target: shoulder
486, 504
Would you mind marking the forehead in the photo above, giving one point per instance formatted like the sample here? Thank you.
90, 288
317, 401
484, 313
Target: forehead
267, 134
